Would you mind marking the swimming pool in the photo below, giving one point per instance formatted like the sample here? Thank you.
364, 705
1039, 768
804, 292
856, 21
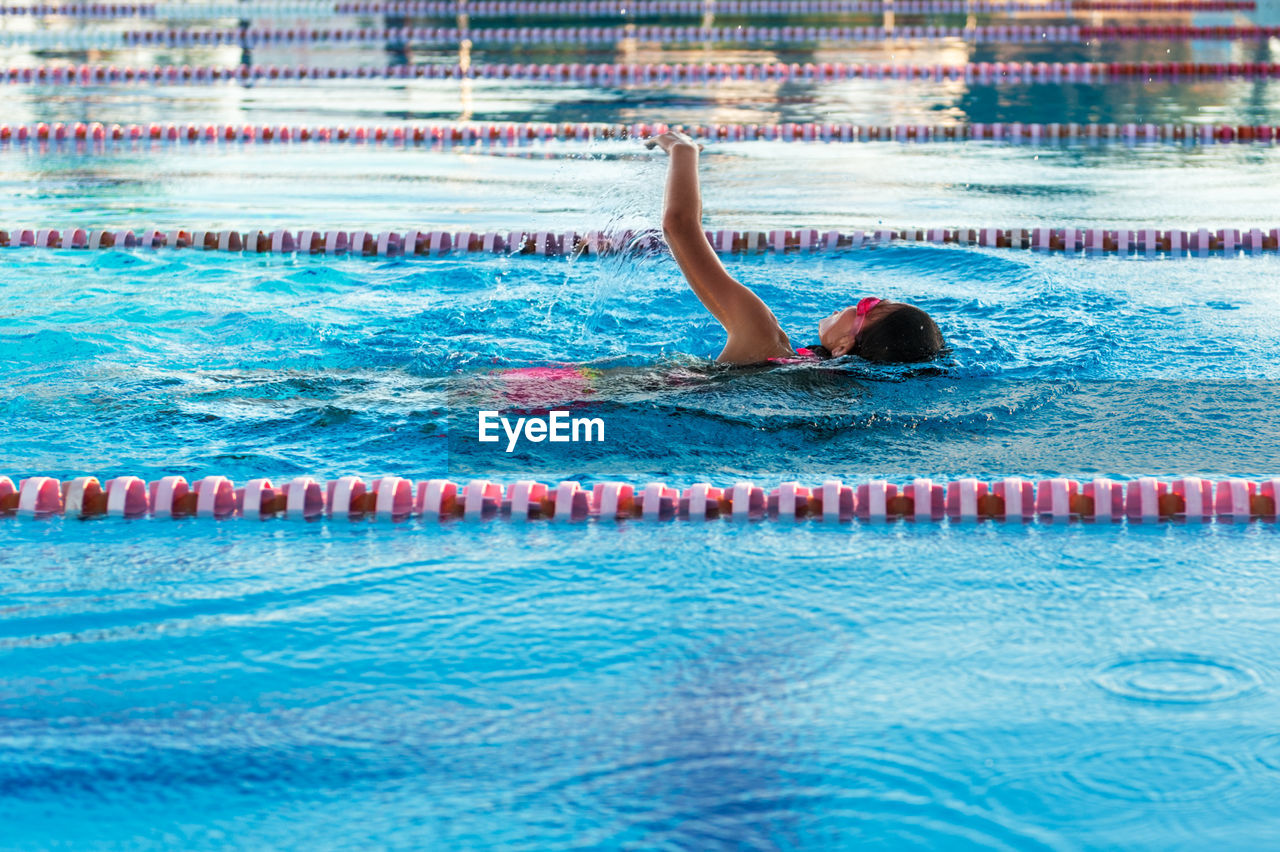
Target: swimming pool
638, 685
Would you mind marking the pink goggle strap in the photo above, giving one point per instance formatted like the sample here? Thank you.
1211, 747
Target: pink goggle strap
864, 308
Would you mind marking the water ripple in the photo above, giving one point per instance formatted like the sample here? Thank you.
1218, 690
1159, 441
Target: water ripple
1154, 774
1268, 752
757, 799
1176, 678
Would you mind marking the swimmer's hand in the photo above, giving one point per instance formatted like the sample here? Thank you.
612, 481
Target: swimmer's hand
670, 140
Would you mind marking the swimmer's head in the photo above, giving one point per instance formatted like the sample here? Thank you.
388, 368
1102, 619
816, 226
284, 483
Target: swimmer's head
881, 331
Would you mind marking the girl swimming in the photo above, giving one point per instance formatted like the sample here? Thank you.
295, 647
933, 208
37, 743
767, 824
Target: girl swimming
873, 329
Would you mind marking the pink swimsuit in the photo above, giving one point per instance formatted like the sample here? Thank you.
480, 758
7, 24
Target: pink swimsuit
540, 387
804, 355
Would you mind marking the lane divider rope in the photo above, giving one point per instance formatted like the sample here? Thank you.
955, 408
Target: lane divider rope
605, 8
622, 74
1012, 499
1090, 241
667, 35
515, 134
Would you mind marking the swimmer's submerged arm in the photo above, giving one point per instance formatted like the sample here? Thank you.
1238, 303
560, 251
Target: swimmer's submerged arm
754, 332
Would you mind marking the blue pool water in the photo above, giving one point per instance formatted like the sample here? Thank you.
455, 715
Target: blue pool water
639, 687
189, 363
334, 685
644, 686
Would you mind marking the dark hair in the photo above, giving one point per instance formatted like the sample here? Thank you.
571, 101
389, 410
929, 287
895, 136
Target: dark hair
904, 334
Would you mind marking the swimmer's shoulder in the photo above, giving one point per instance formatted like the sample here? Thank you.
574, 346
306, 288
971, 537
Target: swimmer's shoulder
746, 350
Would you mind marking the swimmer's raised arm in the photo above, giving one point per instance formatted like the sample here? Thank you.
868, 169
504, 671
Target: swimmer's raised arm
754, 332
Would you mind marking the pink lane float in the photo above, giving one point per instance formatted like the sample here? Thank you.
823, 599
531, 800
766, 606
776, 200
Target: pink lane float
637, 74
789, 8
446, 36
605, 8
666, 35
1091, 241
392, 498
510, 134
